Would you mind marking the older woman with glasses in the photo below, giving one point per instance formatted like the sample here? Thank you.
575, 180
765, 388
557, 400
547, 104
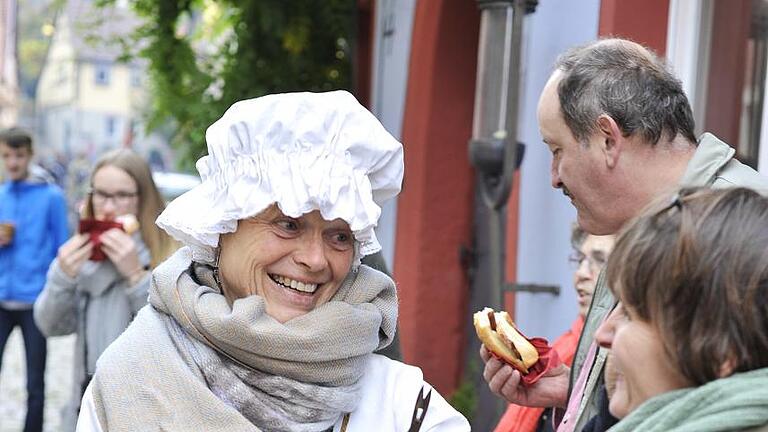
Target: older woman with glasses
266, 320
100, 278
590, 252
689, 338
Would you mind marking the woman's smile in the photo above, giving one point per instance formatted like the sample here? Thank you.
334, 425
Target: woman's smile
303, 287
288, 297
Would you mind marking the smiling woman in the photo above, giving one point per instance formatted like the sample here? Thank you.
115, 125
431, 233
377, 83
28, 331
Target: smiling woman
294, 264
267, 320
688, 341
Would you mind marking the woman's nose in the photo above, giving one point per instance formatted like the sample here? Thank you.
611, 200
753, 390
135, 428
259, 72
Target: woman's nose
108, 209
584, 270
311, 254
606, 331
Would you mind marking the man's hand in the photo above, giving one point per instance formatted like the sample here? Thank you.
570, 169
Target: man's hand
74, 253
551, 390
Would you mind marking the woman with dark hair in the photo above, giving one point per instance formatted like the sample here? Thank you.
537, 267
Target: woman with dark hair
100, 278
689, 338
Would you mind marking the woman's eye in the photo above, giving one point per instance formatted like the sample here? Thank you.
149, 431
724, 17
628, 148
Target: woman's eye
288, 224
342, 240
622, 313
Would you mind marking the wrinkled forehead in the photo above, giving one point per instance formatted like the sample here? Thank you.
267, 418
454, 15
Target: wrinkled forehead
593, 243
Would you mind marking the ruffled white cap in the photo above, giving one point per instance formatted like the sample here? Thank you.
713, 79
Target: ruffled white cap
303, 151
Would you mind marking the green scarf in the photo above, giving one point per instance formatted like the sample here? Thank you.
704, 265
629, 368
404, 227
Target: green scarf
734, 403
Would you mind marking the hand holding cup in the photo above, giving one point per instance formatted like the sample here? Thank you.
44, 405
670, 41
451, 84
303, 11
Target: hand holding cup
7, 231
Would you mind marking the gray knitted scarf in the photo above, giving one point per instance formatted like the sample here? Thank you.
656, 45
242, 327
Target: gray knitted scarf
297, 376
271, 402
301, 375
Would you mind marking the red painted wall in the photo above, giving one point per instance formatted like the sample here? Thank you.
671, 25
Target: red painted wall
727, 62
643, 21
435, 207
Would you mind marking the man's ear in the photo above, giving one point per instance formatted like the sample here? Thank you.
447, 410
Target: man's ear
612, 139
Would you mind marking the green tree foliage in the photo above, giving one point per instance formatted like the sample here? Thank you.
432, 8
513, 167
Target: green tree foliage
203, 55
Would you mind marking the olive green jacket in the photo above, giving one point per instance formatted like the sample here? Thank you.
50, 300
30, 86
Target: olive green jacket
712, 165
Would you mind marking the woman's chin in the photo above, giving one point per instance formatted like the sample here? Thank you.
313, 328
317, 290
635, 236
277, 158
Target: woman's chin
287, 304
284, 314
617, 409
618, 405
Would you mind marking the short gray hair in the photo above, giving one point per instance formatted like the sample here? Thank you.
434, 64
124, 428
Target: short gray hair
626, 81
578, 236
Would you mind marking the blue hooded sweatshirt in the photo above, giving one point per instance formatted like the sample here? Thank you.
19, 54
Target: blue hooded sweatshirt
39, 212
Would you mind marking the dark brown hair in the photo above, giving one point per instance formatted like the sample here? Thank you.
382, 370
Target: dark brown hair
696, 268
16, 138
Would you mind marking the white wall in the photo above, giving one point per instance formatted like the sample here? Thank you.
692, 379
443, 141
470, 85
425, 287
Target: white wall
545, 214
688, 44
392, 48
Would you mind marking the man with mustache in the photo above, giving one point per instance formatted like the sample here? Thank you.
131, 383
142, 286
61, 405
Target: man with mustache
621, 132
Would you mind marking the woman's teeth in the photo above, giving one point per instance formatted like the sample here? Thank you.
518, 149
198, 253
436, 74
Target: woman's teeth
294, 284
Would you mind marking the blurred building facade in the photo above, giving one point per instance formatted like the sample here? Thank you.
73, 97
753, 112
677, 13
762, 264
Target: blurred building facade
87, 100
423, 67
9, 74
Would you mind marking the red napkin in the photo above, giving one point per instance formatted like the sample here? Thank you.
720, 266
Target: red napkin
548, 359
95, 228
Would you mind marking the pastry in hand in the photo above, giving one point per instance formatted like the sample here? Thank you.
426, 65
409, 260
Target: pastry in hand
129, 222
499, 335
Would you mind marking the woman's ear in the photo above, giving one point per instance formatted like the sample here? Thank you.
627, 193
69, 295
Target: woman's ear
727, 368
612, 139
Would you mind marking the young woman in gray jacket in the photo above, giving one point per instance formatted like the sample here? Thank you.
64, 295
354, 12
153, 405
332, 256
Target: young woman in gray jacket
100, 277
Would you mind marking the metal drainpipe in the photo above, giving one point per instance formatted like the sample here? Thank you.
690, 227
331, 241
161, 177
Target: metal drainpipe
494, 150
495, 153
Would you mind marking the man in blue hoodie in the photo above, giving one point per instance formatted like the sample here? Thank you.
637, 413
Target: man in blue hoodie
33, 224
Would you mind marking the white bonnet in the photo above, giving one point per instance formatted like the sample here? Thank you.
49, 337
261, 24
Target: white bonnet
303, 151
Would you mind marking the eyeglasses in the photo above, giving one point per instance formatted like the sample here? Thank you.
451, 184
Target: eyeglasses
120, 198
595, 262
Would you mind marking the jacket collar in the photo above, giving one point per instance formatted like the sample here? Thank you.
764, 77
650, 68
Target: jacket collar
710, 157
